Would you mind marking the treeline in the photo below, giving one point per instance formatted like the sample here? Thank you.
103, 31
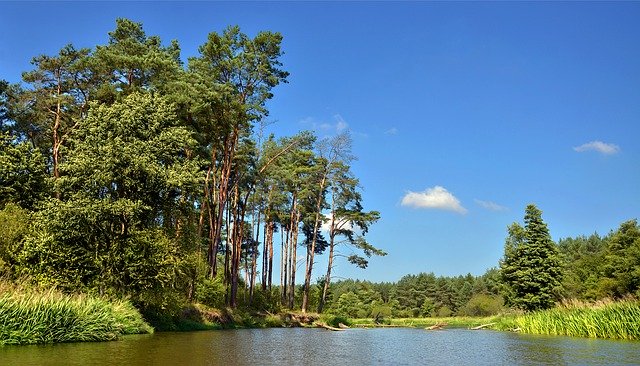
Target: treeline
421, 295
535, 273
127, 172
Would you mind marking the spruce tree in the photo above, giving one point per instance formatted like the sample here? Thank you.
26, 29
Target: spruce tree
531, 267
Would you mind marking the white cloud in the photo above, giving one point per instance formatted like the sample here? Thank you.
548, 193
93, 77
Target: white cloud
326, 225
492, 206
437, 198
391, 131
599, 146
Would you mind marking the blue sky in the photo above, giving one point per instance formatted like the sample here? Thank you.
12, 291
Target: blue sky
461, 113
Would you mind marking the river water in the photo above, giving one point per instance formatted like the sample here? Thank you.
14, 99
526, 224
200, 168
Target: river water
297, 346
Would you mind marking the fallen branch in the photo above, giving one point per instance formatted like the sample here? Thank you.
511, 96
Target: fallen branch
482, 326
437, 326
325, 326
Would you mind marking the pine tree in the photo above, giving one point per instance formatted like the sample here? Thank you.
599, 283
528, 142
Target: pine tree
531, 268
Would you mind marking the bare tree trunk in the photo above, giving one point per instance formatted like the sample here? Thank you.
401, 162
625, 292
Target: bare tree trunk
270, 238
254, 259
294, 245
265, 249
284, 248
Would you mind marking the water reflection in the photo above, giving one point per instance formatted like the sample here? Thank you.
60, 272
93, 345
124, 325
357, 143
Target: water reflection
321, 347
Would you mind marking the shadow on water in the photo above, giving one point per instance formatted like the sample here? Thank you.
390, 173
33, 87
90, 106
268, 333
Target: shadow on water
397, 346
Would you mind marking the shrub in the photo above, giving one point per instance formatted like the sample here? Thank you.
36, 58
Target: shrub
483, 305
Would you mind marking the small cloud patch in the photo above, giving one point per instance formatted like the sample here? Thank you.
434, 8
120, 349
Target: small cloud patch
437, 198
491, 206
598, 146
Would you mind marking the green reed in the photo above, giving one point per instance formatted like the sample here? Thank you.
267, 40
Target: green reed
29, 316
603, 319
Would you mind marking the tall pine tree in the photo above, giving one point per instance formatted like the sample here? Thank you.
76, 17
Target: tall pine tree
531, 268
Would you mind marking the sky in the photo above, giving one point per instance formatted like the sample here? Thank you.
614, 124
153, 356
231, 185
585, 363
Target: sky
462, 113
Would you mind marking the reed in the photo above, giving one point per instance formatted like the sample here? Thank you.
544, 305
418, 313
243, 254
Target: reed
31, 316
602, 319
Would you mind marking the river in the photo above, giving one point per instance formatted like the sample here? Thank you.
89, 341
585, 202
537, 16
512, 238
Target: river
297, 346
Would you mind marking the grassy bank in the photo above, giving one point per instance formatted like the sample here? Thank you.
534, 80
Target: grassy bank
29, 316
603, 319
451, 322
201, 317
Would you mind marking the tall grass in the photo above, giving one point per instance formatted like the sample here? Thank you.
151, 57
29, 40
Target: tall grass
603, 319
29, 316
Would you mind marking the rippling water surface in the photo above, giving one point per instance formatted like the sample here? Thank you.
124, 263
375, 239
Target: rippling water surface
389, 346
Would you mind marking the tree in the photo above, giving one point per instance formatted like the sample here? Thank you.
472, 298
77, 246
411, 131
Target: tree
23, 175
58, 97
133, 62
4, 105
348, 223
621, 265
232, 80
531, 269
583, 259
124, 187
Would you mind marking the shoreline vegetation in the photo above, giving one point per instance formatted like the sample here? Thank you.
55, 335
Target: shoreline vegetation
39, 316
36, 316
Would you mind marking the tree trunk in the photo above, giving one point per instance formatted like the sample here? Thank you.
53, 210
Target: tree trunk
284, 248
294, 245
254, 258
311, 251
272, 227
327, 278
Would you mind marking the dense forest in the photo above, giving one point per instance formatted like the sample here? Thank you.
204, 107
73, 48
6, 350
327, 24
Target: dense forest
127, 172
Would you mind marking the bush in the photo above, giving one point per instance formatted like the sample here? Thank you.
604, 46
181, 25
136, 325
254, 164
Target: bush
210, 292
444, 312
335, 320
483, 305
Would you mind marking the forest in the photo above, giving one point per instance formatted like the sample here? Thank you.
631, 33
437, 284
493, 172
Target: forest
128, 173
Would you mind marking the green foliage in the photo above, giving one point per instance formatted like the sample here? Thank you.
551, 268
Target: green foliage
211, 292
583, 258
531, 267
23, 174
123, 188
603, 319
335, 320
15, 226
427, 308
621, 267
483, 305
29, 316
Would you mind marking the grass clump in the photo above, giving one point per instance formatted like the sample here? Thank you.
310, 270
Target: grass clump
30, 316
602, 319
335, 320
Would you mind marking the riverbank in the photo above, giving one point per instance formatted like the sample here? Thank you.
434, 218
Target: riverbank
451, 322
34, 316
201, 317
605, 319
602, 319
